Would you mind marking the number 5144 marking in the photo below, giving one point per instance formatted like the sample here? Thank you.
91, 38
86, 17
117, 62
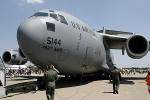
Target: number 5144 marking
53, 41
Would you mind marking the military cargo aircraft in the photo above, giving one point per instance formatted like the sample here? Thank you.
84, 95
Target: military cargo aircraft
54, 37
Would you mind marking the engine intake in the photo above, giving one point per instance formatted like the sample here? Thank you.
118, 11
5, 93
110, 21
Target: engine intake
137, 46
14, 57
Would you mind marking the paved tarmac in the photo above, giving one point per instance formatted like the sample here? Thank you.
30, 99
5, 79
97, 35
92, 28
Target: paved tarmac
87, 88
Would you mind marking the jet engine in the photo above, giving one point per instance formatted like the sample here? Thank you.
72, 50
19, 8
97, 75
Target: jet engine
137, 46
14, 57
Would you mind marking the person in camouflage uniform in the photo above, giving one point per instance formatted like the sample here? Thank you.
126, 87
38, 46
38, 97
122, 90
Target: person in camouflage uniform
50, 77
115, 76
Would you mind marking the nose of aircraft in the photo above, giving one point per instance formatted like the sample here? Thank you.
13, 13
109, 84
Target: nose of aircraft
29, 34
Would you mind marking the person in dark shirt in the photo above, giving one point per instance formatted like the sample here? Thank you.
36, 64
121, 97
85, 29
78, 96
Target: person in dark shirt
115, 76
50, 77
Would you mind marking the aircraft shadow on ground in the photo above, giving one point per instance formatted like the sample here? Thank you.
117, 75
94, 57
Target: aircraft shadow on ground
134, 78
123, 82
23, 87
72, 82
129, 80
62, 82
16, 90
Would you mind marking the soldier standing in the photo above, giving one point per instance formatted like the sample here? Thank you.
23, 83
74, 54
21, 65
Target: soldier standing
49, 77
115, 76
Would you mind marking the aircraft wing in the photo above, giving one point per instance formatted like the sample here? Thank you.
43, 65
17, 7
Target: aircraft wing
114, 32
137, 46
114, 42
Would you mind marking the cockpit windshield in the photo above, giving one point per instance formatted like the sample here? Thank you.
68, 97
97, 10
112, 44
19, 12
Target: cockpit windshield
41, 14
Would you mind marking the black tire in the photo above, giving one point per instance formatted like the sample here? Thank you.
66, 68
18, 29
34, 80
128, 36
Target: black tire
40, 83
105, 76
36, 88
120, 77
66, 76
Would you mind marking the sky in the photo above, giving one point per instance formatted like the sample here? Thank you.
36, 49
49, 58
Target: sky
124, 15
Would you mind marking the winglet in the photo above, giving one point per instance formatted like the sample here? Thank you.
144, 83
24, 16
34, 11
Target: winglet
104, 30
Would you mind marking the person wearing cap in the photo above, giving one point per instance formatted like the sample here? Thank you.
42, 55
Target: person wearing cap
50, 77
148, 80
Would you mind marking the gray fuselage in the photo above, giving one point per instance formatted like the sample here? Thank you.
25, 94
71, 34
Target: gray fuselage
72, 47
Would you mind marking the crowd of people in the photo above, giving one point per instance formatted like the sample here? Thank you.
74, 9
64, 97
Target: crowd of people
129, 72
21, 72
18, 72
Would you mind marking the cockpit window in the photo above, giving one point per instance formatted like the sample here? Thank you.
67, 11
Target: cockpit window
62, 19
41, 14
54, 16
51, 10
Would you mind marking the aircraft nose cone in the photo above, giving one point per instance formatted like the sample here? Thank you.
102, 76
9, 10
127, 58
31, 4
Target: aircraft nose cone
29, 34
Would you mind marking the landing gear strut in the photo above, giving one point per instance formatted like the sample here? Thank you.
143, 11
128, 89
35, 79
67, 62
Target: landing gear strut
104, 75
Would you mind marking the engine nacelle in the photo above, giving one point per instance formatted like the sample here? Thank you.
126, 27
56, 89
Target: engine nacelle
14, 57
137, 46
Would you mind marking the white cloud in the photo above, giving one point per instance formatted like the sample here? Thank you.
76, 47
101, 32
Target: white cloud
34, 1
22, 2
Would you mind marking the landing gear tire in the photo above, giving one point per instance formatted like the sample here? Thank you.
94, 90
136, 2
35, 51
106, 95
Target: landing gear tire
107, 76
36, 88
76, 77
66, 76
104, 75
120, 77
40, 83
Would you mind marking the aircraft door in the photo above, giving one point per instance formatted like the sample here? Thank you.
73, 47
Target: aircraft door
2, 79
